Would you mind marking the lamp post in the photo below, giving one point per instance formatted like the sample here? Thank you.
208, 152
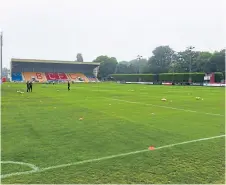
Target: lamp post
172, 63
190, 60
139, 57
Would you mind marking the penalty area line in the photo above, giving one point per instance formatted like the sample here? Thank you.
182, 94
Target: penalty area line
38, 170
166, 107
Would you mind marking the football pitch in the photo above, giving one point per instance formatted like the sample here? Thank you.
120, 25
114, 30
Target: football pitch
112, 133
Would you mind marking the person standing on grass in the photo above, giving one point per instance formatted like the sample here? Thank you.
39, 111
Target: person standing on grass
28, 86
68, 85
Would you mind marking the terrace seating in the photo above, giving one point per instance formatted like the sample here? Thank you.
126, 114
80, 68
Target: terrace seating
92, 79
17, 77
77, 76
56, 76
60, 77
35, 76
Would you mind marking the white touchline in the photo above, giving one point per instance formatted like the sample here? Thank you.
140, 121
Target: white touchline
162, 106
37, 170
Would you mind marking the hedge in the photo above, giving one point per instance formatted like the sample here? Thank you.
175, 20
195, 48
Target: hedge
219, 76
134, 77
182, 77
166, 77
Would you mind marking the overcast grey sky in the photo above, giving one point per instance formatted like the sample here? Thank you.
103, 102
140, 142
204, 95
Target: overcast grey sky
59, 29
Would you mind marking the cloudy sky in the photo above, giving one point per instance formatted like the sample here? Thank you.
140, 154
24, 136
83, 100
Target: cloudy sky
59, 29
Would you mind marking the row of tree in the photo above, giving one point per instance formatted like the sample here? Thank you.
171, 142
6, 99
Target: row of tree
164, 60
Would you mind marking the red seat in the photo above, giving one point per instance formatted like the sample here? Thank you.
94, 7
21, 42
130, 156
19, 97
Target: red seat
56, 76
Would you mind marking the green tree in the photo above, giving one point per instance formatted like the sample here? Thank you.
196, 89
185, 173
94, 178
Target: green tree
186, 61
203, 61
138, 65
122, 68
217, 61
79, 57
107, 65
161, 59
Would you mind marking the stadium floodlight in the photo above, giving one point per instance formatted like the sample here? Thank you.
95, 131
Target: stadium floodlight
190, 48
174, 56
139, 57
172, 61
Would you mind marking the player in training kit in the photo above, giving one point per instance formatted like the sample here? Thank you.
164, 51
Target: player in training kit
28, 86
68, 86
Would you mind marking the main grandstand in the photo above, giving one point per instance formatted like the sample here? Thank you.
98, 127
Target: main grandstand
44, 71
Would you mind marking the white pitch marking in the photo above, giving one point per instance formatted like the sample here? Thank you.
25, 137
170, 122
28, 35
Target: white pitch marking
33, 167
162, 106
102, 90
20, 163
104, 158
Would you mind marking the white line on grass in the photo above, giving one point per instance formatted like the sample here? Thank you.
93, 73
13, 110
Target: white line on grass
37, 170
33, 167
162, 106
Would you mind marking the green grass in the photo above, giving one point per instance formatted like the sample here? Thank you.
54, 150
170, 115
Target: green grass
43, 128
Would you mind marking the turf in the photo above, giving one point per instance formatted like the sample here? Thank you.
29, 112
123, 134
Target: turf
43, 128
